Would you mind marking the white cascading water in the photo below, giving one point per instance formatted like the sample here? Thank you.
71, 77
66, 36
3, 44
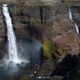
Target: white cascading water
71, 18
12, 47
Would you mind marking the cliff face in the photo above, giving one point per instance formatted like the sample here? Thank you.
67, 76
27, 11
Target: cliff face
47, 23
56, 24
30, 2
65, 31
2, 36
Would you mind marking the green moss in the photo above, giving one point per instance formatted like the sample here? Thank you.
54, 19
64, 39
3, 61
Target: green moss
57, 78
52, 78
46, 48
70, 2
41, 27
50, 48
16, 9
25, 78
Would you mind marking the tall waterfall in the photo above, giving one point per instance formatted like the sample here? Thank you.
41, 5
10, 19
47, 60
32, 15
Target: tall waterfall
71, 18
12, 48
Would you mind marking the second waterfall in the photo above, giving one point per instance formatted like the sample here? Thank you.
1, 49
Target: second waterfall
71, 18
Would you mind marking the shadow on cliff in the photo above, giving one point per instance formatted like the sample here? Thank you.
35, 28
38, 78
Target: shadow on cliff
67, 67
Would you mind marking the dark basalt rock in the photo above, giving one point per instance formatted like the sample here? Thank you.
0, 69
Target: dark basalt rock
67, 67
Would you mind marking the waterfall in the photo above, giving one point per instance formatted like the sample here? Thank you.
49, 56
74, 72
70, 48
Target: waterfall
71, 18
70, 15
12, 48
